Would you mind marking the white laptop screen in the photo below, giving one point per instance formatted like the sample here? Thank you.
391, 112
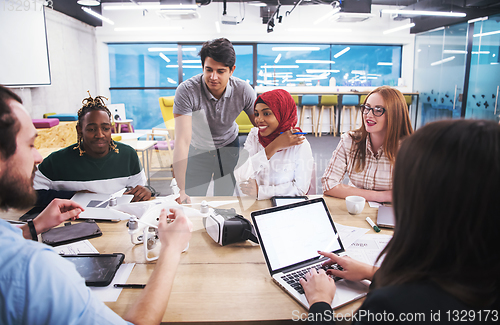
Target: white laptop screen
292, 235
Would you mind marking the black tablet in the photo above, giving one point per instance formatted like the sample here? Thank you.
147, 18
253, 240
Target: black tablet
70, 233
98, 270
283, 200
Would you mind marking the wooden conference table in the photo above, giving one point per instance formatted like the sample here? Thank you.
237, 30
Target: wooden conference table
217, 284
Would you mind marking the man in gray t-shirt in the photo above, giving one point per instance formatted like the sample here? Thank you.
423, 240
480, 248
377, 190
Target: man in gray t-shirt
206, 134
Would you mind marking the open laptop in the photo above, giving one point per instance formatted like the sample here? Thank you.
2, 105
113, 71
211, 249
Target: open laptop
385, 216
290, 236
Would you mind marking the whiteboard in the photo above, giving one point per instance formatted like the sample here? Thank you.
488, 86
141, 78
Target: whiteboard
24, 57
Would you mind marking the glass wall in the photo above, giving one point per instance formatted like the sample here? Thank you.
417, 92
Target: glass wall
484, 81
441, 66
440, 60
140, 73
328, 65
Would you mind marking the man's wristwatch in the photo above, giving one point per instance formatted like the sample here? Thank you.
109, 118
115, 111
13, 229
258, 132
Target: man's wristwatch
32, 229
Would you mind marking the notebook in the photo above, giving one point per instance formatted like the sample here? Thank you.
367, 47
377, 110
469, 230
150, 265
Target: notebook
290, 236
385, 217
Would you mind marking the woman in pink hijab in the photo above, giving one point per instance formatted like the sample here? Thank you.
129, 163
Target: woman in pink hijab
278, 162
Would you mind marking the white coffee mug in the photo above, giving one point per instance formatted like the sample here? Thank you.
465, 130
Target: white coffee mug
355, 204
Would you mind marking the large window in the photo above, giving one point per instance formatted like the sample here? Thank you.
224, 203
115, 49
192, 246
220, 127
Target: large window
328, 65
140, 73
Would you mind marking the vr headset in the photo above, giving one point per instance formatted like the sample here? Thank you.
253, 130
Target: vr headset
225, 227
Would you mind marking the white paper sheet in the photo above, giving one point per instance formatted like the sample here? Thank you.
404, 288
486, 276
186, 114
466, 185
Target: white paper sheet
79, 247
349, 234
367, 248
110, 293
374, 204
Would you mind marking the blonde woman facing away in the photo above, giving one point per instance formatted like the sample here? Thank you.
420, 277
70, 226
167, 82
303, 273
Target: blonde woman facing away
367, 154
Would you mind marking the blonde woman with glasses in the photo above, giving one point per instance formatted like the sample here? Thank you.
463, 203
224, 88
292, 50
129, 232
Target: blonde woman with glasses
367, 154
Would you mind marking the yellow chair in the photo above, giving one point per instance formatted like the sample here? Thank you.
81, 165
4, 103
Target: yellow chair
244, 123
362, 99
409, 101
328, 102
167, 111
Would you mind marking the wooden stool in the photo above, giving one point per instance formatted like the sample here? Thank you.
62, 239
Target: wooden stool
328, 102
309, 101
119, 123
349, 102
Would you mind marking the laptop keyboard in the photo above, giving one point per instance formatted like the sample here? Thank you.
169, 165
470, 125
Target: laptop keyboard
293, 278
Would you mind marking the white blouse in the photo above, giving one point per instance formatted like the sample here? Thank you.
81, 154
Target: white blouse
287, 173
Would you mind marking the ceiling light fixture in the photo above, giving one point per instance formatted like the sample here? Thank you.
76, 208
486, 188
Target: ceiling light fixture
385, 63
392, 30
341, 52
150, 7
443, 61
146, 29
89, 2
257, 4
424, 13
318, 30
95, 14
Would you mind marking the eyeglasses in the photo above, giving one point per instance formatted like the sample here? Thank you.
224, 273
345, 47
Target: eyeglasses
377, 111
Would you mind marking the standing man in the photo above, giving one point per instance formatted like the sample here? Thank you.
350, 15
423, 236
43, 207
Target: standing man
206, 134
37, 286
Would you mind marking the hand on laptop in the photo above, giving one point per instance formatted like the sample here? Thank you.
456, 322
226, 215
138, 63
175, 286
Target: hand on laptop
318, 287
352, 270
140, 193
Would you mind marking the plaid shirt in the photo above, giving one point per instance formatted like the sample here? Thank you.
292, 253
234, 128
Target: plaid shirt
377, 174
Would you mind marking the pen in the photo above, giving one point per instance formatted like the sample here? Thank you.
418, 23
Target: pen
129, 286
296, 133
372, 224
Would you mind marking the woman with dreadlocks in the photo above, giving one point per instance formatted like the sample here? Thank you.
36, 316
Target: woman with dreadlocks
94, 164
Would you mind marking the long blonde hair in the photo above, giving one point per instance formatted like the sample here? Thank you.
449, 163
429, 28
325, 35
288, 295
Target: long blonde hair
398, 126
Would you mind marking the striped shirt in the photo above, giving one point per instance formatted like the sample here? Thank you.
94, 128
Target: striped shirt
377, 174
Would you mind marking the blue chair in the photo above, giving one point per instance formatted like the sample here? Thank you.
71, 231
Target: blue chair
309, 101
65, 117
349, 102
